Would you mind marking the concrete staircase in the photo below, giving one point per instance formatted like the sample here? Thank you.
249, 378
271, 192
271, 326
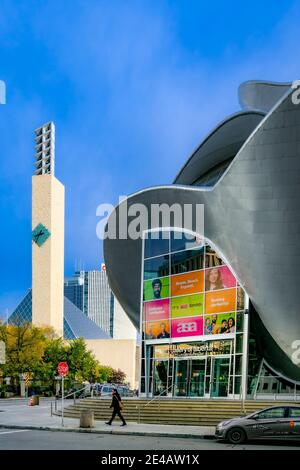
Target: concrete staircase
165, 411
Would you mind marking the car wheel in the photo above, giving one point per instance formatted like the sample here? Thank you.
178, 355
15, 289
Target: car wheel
236, 436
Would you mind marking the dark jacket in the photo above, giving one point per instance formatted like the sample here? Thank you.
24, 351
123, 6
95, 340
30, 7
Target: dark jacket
115, 403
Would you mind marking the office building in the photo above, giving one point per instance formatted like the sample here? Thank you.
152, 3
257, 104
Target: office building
91, 293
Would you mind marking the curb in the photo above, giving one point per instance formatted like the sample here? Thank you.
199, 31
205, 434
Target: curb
116, 432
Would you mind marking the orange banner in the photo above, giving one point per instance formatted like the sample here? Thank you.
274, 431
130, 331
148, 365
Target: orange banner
220, 301
188, 283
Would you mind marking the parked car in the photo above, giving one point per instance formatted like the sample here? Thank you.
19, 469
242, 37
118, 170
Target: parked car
81, 390
106, 390
275, 422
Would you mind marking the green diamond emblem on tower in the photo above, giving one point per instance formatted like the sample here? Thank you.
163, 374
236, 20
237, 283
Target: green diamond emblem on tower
40, 234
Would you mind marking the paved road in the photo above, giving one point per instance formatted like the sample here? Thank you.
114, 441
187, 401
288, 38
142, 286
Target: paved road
49, 440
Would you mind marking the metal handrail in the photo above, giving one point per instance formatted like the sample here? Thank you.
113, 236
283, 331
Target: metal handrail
157, 396
64, 397
73, 393
150, 401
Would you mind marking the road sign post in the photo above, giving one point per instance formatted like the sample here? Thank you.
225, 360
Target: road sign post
62, 401
2, 352
63, 370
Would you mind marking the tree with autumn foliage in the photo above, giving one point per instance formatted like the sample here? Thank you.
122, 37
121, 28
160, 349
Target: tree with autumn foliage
25, 347
38, 350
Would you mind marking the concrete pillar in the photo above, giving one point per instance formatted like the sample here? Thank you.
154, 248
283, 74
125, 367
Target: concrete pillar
87, 419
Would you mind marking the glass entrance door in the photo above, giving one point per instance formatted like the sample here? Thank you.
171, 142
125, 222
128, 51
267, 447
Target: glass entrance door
189, 377
196, 377
220, 377
180, 381
160, 375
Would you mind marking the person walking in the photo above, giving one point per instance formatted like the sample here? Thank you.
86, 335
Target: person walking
116, 404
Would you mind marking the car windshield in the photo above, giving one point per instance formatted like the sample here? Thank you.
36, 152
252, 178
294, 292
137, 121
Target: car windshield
270, 413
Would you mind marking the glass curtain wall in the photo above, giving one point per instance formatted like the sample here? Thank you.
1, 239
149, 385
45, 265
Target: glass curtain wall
192, 319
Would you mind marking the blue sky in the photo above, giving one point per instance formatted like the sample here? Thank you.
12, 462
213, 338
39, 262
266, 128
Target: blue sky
132, 87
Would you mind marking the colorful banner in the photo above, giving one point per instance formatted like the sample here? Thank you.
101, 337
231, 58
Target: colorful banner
187, 306
192, 326
188, 283
219, 278
220, 301
158, 288
157, 330
157, 310
219, 324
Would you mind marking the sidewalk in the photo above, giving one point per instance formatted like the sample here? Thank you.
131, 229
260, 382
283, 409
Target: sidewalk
22, 416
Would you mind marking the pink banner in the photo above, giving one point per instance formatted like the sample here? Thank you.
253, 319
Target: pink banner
219, 278
157, 310
187, 326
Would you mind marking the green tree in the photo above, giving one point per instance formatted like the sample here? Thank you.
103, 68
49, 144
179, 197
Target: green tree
117, 376
39, 350
25, 346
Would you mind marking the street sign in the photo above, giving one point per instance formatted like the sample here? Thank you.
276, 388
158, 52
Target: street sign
63, 368
2, 352
28, 377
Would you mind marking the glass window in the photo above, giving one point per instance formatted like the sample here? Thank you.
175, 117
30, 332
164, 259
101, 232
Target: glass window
240, 298
231, 372
156, 244
239, 343
156, 267
237, 385
213, 175
184, 241
186, 261
230, 390
160, 374
240, 322
238, 364
272, 413
294, 412
143, 385
211, 258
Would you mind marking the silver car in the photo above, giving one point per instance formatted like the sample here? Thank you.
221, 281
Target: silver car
275, 422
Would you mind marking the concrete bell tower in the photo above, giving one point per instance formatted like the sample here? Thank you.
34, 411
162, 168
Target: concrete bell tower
48, 207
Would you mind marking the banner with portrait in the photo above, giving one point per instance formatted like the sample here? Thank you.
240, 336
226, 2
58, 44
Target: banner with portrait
158, 288
157, 330
219, 278
220, 324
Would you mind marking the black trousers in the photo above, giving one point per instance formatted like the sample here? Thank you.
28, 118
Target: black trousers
117, 411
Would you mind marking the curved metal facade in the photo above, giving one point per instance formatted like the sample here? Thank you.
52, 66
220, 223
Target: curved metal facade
252, 215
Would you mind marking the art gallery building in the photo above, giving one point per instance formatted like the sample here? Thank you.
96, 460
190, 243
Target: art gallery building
218, 308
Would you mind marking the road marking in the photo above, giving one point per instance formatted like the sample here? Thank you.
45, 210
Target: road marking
11, 432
